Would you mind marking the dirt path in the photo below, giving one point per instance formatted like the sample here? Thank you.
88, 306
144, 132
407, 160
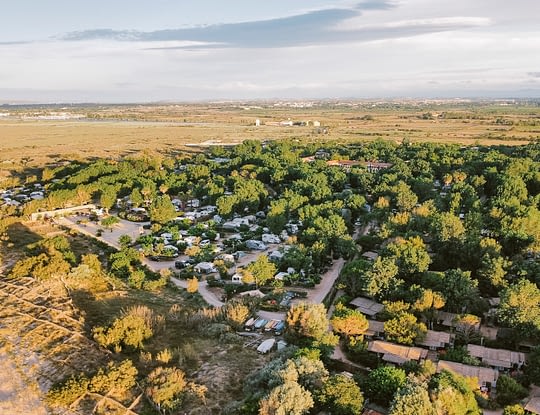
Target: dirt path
17, 397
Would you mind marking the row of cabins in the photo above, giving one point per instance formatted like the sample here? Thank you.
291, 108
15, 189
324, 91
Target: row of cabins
493, 360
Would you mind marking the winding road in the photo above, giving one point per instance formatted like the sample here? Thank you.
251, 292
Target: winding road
124, 227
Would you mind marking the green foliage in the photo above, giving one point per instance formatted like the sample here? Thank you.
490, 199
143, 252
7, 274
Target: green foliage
341, 395
520, 307
162, 210
453, 395
460, 354
459, 289
513, 410
236, 313
109, 221
287, 399
309, 321
114, 378
41, 267
404, 329
532, 369
132, 329
383, 382
127, 331
192, 285
509, 391
412, 399
262, 270
125, 241
410, 254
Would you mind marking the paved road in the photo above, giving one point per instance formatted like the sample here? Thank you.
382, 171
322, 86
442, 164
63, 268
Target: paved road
124, 227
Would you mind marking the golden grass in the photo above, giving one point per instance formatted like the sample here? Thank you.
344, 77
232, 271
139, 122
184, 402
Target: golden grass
171, 128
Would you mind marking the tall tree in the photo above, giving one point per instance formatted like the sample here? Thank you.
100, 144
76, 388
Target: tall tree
287, 399
520, 307
340, 395
383, 382
261, 270
348, 322
162, 210
412, 399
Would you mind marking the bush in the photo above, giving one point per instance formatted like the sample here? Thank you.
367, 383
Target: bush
509, 391
65, 393
137, 324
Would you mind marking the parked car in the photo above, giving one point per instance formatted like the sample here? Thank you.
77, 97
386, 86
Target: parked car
183, 263
238, 254
159, 258
266, 346
279, 327
259, 325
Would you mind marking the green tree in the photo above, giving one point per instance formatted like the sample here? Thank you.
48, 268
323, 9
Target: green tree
107, 197
136, 197
452, 394
162, 210
262, 270
129, 330
460, 290
109, 221
509, 391
383, 382
404, 329
410, 254
192, 285
236, 313
412, 399
309, 321
532, 369
124, 241
520, 307
340, 395
405, 198
287, 399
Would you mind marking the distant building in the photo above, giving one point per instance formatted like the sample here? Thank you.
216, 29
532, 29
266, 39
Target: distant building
374, 167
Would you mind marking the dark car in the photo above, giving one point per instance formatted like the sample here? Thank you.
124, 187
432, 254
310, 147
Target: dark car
183, 263
159, 258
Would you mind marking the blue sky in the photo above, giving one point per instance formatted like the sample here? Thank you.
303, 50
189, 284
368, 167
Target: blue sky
141, 51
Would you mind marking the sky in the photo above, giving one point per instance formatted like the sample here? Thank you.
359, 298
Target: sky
172, 50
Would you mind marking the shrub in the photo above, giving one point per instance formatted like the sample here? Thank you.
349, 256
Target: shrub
509, 391
65, 393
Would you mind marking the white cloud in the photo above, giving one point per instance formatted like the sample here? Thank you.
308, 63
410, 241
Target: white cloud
418, 48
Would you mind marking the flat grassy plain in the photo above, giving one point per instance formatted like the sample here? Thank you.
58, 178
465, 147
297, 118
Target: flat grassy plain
114, 131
